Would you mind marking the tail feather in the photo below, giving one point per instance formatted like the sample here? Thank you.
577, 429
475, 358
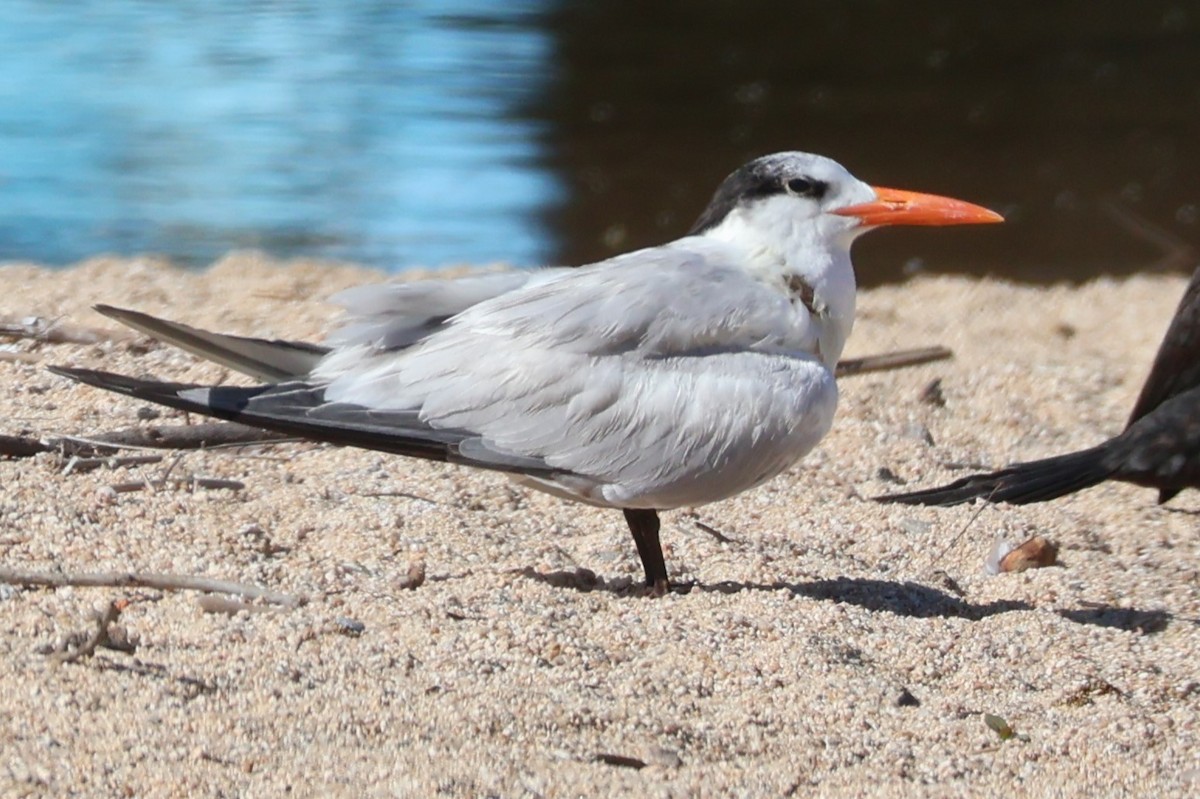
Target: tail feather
297, 408
268, 360
1019, 484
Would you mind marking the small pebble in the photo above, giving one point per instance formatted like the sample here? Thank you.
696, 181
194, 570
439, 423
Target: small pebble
348, 626
932, 394
1035, 553
920, 432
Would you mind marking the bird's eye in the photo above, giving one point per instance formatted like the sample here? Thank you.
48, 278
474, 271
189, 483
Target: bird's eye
806, 187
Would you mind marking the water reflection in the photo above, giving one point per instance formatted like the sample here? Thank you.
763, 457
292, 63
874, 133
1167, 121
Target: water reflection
369, 131
558, 131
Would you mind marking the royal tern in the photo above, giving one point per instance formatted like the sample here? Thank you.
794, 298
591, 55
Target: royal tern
671, 376
1159, 448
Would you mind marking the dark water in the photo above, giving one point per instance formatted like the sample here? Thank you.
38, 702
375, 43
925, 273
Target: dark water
556, 132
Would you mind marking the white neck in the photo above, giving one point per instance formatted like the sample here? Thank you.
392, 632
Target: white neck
777, 246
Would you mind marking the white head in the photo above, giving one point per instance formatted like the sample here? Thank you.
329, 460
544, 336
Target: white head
805, 200
785, 195
795, 215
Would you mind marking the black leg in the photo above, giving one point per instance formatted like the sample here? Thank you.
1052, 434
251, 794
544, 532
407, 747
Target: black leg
644, 526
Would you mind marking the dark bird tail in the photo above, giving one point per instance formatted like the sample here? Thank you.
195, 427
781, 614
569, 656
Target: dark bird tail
1019, 484
298, 408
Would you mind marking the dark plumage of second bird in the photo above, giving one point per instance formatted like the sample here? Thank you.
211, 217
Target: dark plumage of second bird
1159, 447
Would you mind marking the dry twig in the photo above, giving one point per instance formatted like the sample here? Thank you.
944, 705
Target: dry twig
958, 535
624, 761
714, 532
210, 435
189, 483
21, 446
162, 582
891, 360
78, 465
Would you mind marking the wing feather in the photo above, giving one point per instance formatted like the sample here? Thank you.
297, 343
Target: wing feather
264, 359
1176, 366
396, 315
595, 373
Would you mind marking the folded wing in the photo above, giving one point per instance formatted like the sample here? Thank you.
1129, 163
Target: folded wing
1176, 367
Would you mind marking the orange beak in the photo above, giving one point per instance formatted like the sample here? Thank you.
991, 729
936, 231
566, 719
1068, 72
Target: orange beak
897, 207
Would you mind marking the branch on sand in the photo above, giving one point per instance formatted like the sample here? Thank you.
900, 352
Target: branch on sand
186, 483
209, 435
891, 360
162, 582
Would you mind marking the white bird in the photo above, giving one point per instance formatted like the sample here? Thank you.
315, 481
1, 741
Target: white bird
671, 376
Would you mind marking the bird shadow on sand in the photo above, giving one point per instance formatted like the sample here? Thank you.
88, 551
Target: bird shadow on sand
901, 598
906, 598
1131, 620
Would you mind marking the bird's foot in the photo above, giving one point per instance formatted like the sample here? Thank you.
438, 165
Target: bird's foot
655, 589
659, 588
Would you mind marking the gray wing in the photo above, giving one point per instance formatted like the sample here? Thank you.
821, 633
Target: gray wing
396, 315
670, 350
384, 316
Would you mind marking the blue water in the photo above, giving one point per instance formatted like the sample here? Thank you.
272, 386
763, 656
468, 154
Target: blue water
427, 132
383, 133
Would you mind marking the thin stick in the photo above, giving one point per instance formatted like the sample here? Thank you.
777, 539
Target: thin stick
162, 582
624, 761
179, 456
959, 534
714, 532
18, 357
207, 435
405, 494
78, 465
21, 446
210, 483
891, 360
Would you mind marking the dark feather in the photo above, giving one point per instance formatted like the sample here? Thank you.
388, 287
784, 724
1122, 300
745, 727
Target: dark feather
297, 408
269, 360
1159, 448
1021, 483
1176, 366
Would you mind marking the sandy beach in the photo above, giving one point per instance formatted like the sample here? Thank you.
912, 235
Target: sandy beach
830, 646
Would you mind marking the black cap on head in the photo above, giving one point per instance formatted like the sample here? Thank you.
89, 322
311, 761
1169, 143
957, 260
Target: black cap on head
779, 173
